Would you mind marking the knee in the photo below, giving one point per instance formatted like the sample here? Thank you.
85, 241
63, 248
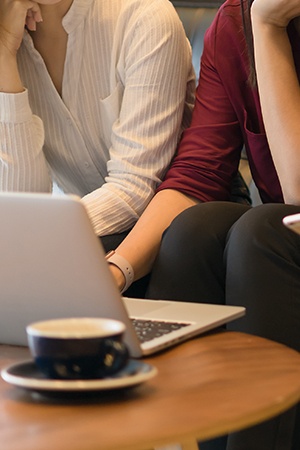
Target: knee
262, 227
179, 239
204, 222
194, 221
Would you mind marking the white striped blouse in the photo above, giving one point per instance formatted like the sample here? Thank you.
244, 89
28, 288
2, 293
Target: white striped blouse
127, 91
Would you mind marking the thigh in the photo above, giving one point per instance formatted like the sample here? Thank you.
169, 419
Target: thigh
190, 265
263, 274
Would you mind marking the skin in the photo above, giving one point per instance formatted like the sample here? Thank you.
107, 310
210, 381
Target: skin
141, 246
279, 88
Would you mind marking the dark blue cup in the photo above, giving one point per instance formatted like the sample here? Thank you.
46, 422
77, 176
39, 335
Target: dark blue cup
78, 348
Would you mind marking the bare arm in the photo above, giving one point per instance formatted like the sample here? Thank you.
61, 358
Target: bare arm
279, 89
13, 16
142, 244
9, 75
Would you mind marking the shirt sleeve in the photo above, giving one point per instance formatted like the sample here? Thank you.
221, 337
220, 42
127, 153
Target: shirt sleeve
154, 69
209, 153
22, 163
159, 87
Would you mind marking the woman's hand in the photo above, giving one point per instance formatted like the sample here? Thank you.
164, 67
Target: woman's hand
275, 12
14, 15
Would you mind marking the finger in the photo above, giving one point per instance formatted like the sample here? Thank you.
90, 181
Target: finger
33, 17
37, 15
30, 23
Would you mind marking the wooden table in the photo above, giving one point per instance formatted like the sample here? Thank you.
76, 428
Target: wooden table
205, 388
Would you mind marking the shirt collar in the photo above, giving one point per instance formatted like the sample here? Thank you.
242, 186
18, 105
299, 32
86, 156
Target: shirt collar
76, 14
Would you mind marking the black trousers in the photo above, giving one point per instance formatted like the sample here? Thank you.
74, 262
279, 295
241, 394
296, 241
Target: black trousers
229, 253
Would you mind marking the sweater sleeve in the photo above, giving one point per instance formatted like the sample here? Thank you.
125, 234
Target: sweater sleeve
22, 163
209, 152
158, 83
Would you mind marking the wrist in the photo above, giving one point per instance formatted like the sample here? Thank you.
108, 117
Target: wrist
122, 270
118, 276
10, 81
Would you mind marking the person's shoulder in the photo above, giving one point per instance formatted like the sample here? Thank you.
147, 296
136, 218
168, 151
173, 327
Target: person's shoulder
230, 12
156, 12
225, 45
228, 24
231, 6
140, 5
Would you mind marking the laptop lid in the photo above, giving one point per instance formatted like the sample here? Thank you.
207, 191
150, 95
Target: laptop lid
53, 265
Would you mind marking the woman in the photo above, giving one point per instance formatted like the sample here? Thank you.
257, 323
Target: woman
93, 95
220, 252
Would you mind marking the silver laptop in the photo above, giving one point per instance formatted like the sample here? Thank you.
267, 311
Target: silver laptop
53, 265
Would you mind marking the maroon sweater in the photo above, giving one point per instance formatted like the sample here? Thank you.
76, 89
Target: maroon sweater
227, 115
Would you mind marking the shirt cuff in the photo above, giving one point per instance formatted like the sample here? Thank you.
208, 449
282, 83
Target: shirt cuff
15, 108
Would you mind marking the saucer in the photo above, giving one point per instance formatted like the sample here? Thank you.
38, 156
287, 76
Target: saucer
28, 376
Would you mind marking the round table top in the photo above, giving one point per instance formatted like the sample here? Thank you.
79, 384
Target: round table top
206, 387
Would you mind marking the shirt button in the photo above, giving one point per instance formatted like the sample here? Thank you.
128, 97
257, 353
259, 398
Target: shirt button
86, 164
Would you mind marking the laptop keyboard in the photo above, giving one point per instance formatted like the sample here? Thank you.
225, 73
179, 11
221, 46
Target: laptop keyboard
150, 329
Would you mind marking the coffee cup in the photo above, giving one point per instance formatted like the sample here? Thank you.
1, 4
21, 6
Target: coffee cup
78, 348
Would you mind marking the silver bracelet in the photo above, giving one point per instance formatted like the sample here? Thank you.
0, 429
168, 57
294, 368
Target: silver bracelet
117, 260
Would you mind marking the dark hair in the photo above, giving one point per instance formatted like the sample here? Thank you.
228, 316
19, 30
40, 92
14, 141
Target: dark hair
245, 11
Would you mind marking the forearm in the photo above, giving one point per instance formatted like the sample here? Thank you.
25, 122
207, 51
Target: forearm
141, 246
280, 101
10, 81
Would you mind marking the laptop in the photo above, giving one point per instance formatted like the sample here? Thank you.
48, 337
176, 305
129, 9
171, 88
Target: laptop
53, 265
